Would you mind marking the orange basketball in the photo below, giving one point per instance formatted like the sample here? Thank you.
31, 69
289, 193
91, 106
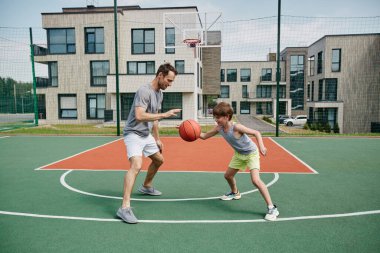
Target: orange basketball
189, 130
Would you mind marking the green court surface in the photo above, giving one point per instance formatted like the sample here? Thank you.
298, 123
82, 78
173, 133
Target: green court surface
336, 210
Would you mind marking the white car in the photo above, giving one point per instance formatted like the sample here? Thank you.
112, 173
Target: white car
299, 120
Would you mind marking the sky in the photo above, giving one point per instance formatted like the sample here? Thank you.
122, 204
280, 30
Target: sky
252, 37
27, 13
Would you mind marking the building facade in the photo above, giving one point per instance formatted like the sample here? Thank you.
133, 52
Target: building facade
80, 56
251, 87
335, 80
343, 82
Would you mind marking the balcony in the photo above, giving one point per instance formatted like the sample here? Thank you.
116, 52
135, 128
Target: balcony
40, 51
42, 82
254, 97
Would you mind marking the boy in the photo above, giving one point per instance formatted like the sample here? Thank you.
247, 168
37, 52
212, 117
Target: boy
246, 155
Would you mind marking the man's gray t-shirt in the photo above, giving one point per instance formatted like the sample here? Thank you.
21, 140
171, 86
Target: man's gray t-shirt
149, 99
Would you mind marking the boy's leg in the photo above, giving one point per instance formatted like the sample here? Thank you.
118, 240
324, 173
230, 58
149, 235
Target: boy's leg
256, 180
229, 175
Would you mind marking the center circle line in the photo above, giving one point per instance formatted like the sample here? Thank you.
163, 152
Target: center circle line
66, 185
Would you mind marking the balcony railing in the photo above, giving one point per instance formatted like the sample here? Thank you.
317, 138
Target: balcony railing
38, 50
42, 82
254, 95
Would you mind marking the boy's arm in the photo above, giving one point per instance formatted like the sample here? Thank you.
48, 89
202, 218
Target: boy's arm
257, 134
209, 134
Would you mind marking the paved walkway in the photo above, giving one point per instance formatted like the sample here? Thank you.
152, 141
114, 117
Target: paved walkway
257, 124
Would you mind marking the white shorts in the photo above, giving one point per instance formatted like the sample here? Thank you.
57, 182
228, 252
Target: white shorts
138, 145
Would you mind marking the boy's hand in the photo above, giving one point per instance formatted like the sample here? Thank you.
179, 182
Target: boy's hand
263, 151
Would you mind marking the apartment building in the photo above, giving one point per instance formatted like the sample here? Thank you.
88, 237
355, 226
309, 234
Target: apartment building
80, 57
343, 82
251, 87
335, 80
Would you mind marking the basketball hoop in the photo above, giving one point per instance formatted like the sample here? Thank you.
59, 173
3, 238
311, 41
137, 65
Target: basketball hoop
192, 42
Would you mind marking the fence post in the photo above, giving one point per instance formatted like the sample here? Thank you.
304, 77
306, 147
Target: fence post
34, 78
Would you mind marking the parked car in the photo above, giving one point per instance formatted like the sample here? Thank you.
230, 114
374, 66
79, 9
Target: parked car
281, 118
299, 120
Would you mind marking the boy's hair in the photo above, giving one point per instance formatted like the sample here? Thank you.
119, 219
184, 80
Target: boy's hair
223, 109
165, 68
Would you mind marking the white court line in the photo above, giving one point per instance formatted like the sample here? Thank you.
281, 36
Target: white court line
287, 151
39, 168
2, 137
64, 184
312, 217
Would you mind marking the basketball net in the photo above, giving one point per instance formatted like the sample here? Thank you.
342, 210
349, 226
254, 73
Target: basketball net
192, 43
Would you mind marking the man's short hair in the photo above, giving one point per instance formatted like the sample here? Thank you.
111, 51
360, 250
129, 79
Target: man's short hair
165, 69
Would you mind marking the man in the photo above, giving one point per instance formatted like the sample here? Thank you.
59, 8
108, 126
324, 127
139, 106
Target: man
141, 136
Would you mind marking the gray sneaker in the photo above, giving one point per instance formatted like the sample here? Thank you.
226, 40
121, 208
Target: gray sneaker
127, 215
149, 191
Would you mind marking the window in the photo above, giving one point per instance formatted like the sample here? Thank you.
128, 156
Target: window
224, 91
41, 106
282, 92
245, 107
233, 104
96, 104
61, 41
180, 66
319, 63
259, 108
335, 61
170, 40
297, 81
308, 92
244, 91
53, 74
143, 41
263, 91
222, 74
140, 67
126, 104
231, 75
245, 75
312, 91
331, 89
320, 90
311, 65
99, 72
171, 101
266, 74
94, 40
67, 106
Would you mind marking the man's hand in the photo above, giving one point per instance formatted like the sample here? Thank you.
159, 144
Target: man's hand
160, 145
172, 112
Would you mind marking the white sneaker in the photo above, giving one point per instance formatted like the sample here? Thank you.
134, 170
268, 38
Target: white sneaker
231, 196
272, 214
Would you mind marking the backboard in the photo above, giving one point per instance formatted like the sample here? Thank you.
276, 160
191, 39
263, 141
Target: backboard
203, 28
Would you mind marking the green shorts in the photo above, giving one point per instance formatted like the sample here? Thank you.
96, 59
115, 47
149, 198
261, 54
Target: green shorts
241, 162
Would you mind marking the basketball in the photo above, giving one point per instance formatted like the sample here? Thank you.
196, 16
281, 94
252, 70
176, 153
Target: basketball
189, 130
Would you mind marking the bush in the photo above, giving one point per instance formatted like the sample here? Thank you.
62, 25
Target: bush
320, 127
306, 126
336, 128
267, 119
327, 128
